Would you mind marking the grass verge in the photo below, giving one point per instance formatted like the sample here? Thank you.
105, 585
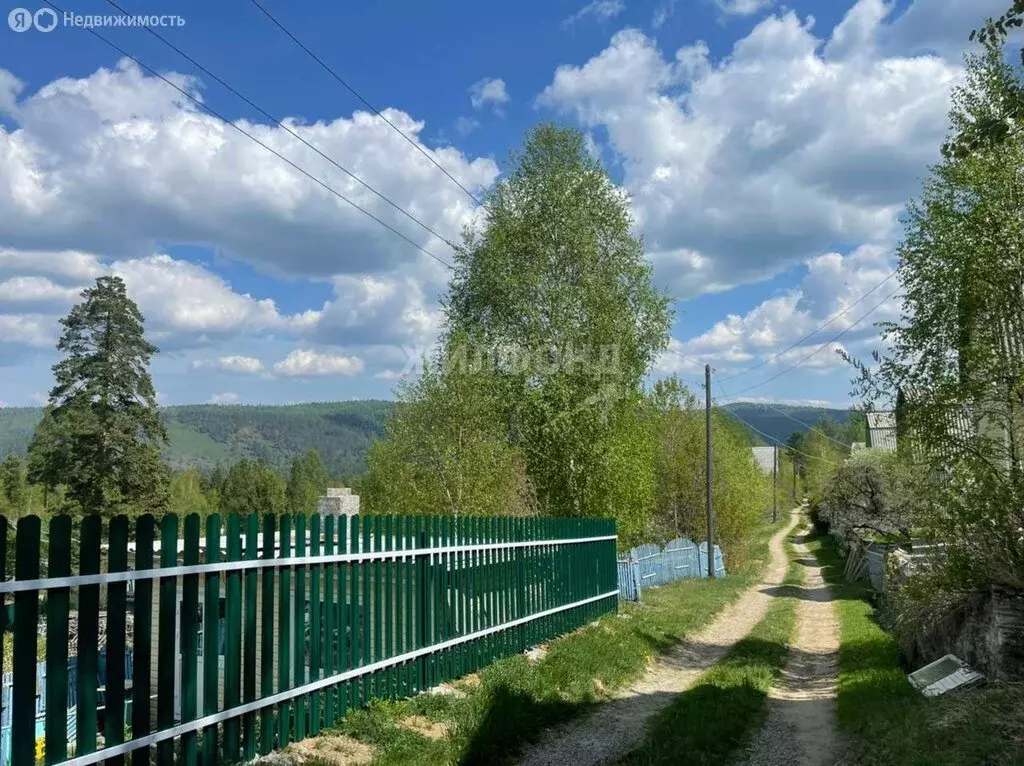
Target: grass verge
508, 704
886, 720
712, 722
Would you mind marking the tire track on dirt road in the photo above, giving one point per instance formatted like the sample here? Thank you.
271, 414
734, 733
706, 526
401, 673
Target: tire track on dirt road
801, 725
618, 726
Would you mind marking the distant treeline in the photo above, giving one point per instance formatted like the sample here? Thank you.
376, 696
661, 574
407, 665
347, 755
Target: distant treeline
208, 436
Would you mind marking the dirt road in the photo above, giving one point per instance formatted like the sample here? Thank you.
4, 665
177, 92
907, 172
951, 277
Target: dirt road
801, 725
617, 726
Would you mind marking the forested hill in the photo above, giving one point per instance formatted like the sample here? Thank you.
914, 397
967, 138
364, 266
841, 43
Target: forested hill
210, 434
773, 421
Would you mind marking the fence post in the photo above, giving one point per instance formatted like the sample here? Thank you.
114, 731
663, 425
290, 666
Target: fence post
57, 610
422, 606
26, 636
634, 569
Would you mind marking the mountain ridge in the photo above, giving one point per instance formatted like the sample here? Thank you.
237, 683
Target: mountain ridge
207, 435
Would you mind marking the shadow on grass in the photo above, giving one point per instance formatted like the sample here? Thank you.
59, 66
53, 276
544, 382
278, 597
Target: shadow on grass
714, 721
706, 725
513, 718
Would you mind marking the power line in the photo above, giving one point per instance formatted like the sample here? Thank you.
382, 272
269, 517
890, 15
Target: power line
784, 414
813, 332
285, 127
366, 103
834, 338
253, 138
772, 438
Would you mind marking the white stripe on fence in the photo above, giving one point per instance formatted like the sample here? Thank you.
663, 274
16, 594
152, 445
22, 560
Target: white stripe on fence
47, 583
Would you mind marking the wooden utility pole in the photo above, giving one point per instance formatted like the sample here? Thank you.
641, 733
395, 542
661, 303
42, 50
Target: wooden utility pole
711, 513
775, 483
794, 480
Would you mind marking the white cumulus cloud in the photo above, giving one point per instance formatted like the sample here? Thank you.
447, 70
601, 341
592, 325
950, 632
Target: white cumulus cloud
119, 146
741, 167
742, 7
239, 365
303, 363
490, 91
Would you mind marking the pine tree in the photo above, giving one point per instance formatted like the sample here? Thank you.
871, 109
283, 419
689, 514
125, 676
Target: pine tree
13, 484
101, 433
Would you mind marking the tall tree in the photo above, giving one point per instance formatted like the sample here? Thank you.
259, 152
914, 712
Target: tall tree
252, 486
955, 355
307, 482
13, 484
187, 495
555, 290
741, 492
1004, 119
446, 450
102, 432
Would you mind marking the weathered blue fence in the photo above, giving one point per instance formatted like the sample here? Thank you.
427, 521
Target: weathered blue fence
8, 684
650, 565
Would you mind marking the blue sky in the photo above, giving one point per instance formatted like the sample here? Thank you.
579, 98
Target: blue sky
768, 150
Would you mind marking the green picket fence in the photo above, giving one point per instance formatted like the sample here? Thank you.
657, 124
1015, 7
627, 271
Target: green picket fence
257, 632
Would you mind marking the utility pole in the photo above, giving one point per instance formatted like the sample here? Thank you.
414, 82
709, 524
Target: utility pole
711, 513
775, 483
794, 479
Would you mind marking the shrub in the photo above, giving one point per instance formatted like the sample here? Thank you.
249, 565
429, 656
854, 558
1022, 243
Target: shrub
876, 493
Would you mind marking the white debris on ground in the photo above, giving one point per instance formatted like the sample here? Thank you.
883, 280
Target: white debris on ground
536, 653
446, 690
944, 675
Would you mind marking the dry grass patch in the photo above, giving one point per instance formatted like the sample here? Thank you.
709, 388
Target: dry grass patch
333, 749
424, 726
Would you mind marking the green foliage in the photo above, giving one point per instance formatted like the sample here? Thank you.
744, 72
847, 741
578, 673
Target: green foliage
873, 493
1001, 121
886, 721
101, 433
204, 436
187, 494
557, 287
954, 359
13, 483
307, 483
17, 424
207, 436
628, 470
818, 459
252, 486
446, 450
741, 492
777, 420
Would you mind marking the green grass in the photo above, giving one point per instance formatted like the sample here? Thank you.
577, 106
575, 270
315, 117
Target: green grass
714, 721
886, 721
515, 700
